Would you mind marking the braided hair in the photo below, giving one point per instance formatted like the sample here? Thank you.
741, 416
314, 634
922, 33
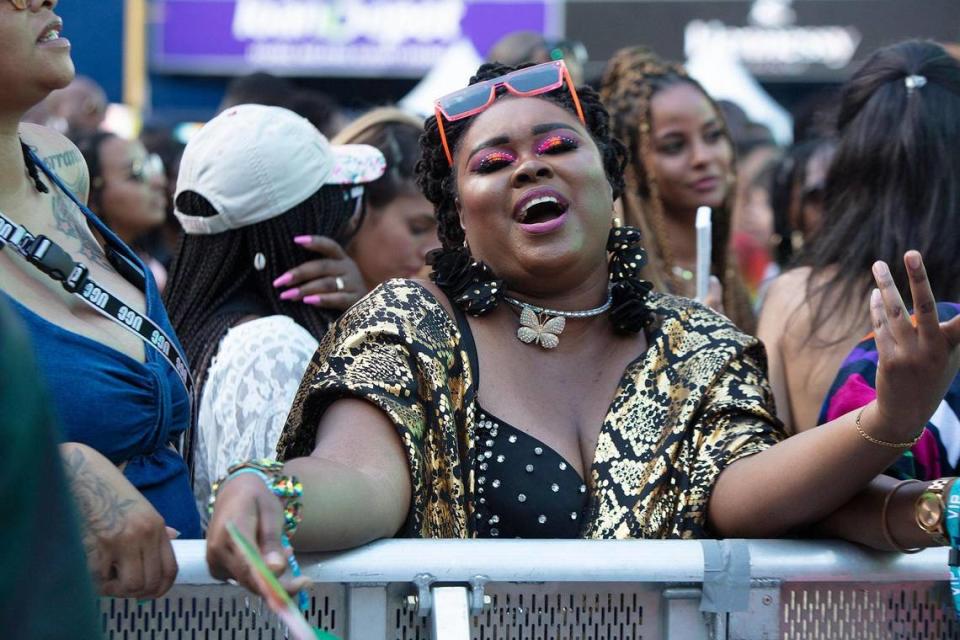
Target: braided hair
437, 178
213, 283
632, 78
32, 170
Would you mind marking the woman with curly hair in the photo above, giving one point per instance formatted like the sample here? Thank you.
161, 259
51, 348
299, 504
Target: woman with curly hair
537, 387
681, 158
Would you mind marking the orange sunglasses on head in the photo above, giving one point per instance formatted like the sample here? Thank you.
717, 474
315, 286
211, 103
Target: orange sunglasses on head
531, 81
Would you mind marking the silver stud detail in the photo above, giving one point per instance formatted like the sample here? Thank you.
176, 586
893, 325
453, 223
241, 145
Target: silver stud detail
481, 479
542, 519
483, 467
555, 487
538, 450
494, 520
573, 516
483, 501
563, 466
489, 443
583, 488
529, 468
501, 458
494, 532
488, 455
512, 439
522, 498
494, 432
495, 484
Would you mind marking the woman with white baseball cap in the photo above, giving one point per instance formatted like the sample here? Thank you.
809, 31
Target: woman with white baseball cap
257, 184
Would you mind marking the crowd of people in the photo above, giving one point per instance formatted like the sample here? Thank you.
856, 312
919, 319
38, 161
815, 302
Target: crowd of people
305, 361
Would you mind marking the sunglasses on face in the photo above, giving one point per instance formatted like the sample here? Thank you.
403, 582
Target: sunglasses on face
532, 81
145, 169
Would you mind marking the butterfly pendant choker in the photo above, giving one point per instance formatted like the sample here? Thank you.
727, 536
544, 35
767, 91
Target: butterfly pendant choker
543, 326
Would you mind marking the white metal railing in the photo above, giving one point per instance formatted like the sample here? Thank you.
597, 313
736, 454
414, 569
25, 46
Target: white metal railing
572, 589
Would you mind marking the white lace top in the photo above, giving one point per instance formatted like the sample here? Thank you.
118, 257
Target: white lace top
248, 391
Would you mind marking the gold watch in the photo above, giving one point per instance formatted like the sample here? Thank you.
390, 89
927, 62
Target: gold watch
931, 510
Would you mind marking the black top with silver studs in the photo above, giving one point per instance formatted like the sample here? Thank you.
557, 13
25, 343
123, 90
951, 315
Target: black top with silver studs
525, 489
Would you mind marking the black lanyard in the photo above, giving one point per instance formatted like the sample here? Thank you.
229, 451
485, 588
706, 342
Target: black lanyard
51, 259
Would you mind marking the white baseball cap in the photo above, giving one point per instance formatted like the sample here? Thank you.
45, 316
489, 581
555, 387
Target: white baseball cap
253, 162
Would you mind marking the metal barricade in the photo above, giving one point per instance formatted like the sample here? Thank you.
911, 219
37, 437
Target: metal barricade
571, 590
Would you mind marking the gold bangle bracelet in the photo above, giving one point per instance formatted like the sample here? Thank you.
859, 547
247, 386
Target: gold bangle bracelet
883, 443
887, 536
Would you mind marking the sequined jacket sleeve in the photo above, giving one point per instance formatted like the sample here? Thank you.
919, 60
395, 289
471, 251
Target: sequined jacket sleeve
398, 349
696, 402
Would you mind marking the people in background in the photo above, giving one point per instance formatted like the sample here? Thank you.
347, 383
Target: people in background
681, 158
399, 230
893, 185
256, 185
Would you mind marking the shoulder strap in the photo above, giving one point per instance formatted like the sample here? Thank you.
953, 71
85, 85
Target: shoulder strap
52, 260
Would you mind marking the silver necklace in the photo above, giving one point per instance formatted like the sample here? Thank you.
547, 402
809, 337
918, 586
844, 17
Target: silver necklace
542, 326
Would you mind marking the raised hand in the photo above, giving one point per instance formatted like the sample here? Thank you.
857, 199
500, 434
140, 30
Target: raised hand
332, 282
916, 363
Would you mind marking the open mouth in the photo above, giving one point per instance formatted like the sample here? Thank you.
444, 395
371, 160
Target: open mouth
541, 208
51, 33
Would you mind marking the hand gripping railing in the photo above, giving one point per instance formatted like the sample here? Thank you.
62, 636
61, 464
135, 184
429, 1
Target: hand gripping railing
566, 590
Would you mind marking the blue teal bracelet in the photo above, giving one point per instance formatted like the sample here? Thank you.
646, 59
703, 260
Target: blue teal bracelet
271, 483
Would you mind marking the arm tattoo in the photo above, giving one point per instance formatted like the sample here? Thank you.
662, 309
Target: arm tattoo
68, 158
65, 212
101, 509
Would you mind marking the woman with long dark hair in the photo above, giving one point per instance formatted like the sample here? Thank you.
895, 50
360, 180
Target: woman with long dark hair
893, 185
256, 183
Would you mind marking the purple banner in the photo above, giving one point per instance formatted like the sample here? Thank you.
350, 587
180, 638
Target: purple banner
331, 37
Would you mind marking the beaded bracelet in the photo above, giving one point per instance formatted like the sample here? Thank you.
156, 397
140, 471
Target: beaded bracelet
883, 443
287, 488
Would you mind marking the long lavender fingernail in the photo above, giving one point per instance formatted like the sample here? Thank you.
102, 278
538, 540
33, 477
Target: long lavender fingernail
314, 299
303, 239
290, 294
283, 280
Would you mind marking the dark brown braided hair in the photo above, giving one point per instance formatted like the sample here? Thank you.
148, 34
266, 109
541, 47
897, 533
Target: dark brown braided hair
213, 283
438, 181
32, 170
632, 78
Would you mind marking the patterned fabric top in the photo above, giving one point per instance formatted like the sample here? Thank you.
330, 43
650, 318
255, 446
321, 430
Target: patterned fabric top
937, 454
249, 386
693, 403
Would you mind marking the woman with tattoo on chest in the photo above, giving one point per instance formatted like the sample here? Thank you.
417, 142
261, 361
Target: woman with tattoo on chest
105, 349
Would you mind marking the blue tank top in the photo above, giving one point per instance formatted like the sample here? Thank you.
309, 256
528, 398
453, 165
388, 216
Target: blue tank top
129, 411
